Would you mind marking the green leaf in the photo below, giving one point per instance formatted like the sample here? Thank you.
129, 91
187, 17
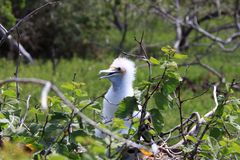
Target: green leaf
219, 111
191, 138
77, 133
223, 143
126, 107
180, 56
56, 156
170, 85
170, 65
118, 124
157, 119
2, 115
154, 61
78, 84
205, 147
68, 86
161, 100
81, 93
216, 133
165, 49
234, 148
143, 84
168, 50
9, 93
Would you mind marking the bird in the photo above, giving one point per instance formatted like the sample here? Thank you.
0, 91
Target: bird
121, 74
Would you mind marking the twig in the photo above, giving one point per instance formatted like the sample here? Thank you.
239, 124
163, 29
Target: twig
188, 99
92, 101
133, 55
194, 114
17, 66
202, 120
44, 127
25, 115
180, 111
44, 95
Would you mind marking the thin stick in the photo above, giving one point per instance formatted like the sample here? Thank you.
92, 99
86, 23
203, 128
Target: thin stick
25, 115
17, 66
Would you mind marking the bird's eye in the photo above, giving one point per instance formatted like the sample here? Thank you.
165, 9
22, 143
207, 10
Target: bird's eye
118, 68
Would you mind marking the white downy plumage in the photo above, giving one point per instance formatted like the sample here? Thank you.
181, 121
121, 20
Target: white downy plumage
121, 74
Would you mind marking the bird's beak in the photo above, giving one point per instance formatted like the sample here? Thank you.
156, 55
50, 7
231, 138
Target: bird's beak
108, 73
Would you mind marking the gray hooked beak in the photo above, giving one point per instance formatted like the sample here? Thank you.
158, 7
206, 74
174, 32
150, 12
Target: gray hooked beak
108, 73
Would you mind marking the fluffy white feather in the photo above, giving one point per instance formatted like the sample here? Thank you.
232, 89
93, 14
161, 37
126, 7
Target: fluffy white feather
121, 74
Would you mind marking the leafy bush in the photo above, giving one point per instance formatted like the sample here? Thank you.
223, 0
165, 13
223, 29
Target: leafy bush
61, 132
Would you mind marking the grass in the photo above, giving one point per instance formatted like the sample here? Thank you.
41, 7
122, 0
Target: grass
87, 72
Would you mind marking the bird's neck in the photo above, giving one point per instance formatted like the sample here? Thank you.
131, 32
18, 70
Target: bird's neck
120, 85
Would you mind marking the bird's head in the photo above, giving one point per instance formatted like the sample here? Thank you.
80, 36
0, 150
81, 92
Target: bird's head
122, 69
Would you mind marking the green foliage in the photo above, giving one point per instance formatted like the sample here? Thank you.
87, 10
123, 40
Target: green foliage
161, 100
158, 120
126, 107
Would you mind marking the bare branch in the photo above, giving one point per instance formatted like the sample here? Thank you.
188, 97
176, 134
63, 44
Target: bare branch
205, 66
44, 95
25, 115
197, 27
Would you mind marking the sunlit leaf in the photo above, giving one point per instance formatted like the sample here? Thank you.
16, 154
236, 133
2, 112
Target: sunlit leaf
223, 143
56, 156
2, 115
170, 65
180, 56
168, 50
9, 93
234, 148
78, 84
205, 147
191, 138
118, 123
68, 86
154, 60
80, 93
